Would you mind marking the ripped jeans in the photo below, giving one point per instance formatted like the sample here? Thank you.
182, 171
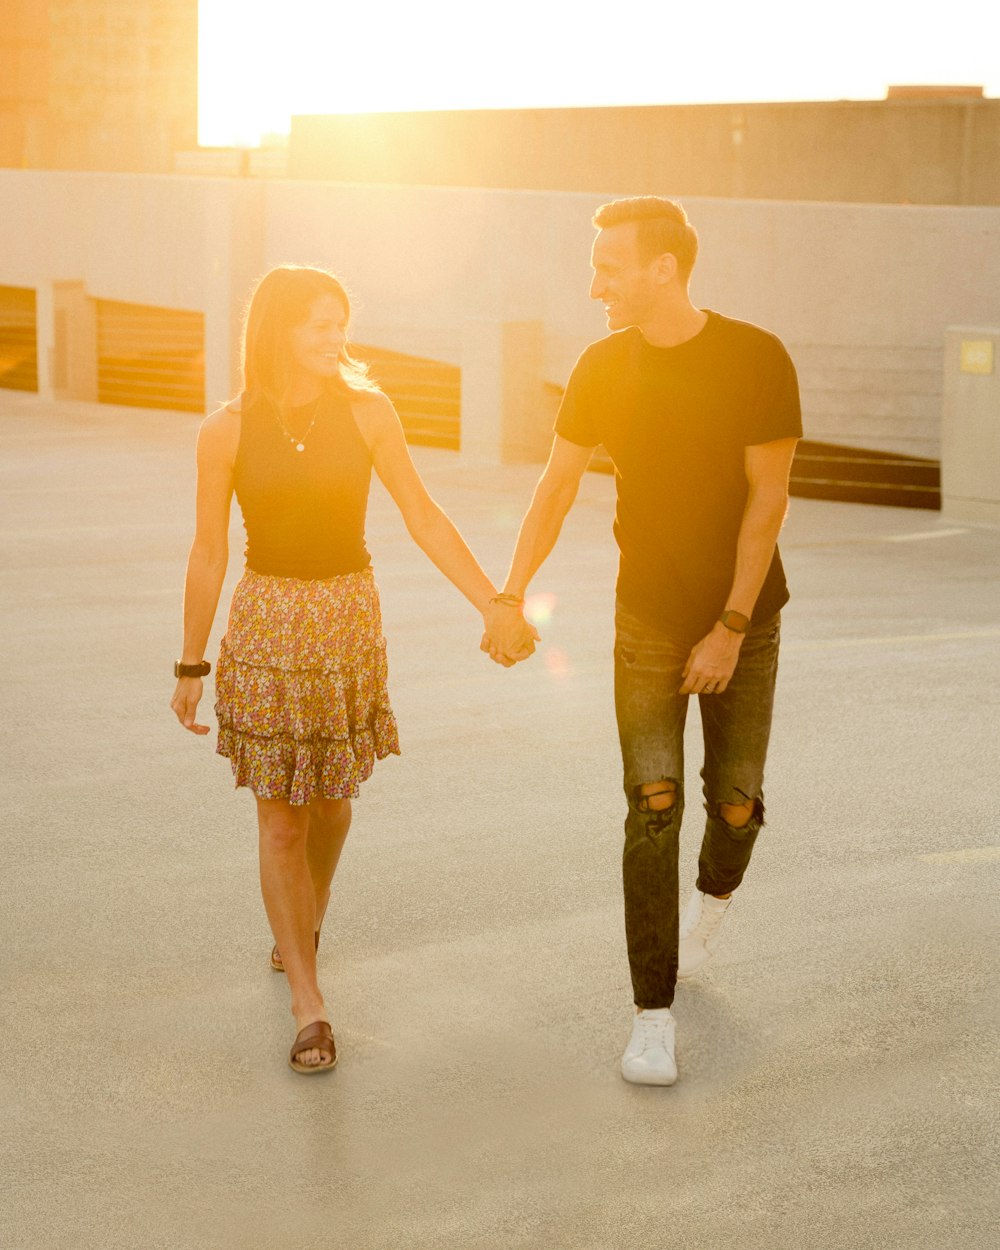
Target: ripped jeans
735, 725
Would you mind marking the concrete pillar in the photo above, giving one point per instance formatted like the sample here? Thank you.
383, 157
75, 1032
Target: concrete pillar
234, 249
45, 344
504, 414
970, 428
71, 347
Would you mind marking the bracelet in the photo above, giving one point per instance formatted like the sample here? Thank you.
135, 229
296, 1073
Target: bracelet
509, 601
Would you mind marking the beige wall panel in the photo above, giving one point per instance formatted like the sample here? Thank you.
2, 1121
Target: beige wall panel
850, 288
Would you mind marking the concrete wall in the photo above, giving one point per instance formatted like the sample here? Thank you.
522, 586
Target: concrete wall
176, 242
970, 469
861, 294
898, 151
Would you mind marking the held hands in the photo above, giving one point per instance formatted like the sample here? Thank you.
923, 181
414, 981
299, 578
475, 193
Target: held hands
187, 696
712, 662
508, 637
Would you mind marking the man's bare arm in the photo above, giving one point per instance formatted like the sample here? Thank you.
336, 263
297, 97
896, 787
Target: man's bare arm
767, 468
713, 660
554, 495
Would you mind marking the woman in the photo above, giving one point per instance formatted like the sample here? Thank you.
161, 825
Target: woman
301, 693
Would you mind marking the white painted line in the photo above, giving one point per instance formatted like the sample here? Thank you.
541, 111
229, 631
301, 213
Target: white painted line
869, 541
913, 538
971, 855
888, 639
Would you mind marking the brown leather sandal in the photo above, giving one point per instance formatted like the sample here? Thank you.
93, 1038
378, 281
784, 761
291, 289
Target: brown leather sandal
315, 1036
276, 963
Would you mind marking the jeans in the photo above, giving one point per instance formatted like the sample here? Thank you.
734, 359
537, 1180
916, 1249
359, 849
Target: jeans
735, 725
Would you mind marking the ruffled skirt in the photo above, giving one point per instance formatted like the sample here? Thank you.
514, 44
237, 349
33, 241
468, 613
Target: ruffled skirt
301, 686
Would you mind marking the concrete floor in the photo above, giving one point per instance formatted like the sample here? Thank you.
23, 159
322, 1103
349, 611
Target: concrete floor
838, 1059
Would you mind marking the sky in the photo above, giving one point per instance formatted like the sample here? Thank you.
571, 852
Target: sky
261, 61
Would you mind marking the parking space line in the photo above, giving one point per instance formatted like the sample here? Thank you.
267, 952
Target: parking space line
971, 855
914, 538
887, 639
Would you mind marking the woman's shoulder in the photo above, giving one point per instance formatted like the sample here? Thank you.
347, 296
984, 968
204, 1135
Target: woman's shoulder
373, 412
370, 400
225, 414
219, 434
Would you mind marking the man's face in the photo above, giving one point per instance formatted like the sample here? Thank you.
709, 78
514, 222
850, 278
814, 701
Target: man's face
623, 281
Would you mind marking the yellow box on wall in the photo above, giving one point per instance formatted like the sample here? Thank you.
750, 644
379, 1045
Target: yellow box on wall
977, 356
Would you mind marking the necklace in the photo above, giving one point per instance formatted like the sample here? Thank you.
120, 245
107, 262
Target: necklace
299, 443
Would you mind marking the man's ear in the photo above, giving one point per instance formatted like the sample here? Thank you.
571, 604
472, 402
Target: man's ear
666, 268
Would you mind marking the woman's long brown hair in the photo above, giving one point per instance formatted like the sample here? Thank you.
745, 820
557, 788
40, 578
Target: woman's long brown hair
281, 301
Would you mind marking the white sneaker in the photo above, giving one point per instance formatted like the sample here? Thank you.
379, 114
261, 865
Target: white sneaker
649, 1056
699, 931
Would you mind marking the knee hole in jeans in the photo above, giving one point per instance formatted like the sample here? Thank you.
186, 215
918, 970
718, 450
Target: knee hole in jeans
739, 816
658, 806
656, 796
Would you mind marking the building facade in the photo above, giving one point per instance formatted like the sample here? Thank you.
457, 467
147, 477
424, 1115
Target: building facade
918, 146
98, 84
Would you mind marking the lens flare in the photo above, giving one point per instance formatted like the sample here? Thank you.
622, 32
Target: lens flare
557, 662
539, 609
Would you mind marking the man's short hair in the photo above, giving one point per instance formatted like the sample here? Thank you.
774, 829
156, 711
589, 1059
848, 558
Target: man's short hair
661, 226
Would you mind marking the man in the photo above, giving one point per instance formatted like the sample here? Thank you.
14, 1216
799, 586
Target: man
700, 415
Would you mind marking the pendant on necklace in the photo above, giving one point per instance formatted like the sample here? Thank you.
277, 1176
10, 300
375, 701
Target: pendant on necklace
300, 446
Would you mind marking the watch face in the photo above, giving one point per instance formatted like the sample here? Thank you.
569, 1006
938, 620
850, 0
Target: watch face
735, 621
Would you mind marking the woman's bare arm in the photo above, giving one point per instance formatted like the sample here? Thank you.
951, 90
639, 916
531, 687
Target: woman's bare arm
208, 558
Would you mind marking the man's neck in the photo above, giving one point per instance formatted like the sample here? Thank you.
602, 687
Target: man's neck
674, 325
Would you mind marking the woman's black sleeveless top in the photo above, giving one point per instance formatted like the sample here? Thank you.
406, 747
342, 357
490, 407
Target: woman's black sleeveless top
304, 511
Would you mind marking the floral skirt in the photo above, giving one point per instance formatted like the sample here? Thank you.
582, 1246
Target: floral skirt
301, 686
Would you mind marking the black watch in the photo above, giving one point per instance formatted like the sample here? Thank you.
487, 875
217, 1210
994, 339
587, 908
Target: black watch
735, 621
201, 669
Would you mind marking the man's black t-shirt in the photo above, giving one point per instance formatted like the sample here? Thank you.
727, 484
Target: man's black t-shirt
675, 422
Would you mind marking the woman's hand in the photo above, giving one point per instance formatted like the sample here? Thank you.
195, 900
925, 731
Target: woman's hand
507, 636
187, 696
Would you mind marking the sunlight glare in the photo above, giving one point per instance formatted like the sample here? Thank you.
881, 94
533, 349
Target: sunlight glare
540, 608
557, 662
260, 63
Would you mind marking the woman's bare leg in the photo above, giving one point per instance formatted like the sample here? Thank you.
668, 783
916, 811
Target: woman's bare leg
290, 900
329, 822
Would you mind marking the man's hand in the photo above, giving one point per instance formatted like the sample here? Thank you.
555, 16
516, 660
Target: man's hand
507, 636
712, 662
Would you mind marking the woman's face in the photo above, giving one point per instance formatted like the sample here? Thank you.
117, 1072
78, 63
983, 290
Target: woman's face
316, 343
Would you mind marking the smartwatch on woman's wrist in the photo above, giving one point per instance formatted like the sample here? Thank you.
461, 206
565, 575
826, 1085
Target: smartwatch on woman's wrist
201, 669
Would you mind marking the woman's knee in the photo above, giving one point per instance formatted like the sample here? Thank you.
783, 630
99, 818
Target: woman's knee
282, 826
333, 814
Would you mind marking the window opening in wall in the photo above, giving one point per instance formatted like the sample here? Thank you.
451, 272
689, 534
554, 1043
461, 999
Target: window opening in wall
18, 339
150, 357
425, 393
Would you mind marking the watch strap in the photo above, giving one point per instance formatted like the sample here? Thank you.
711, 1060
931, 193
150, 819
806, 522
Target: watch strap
201, 669
737, 622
